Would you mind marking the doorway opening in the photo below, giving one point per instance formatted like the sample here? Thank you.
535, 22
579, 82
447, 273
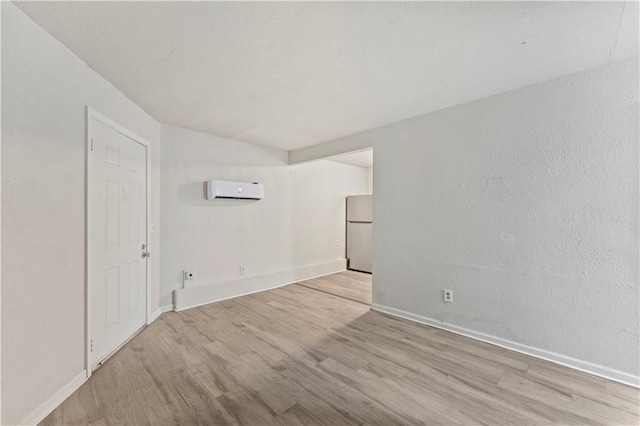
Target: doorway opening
357, 282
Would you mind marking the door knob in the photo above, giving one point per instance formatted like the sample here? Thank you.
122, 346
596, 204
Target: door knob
145, 254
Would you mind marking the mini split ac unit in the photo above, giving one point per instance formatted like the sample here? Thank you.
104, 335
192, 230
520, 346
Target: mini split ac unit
222, 189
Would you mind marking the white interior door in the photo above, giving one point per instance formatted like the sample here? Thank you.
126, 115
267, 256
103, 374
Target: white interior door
117, 239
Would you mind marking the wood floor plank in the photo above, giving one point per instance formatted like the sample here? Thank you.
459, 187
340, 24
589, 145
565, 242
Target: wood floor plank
313, 353
350, 285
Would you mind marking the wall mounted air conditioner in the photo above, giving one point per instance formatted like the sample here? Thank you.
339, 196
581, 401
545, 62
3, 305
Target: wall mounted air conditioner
222, 189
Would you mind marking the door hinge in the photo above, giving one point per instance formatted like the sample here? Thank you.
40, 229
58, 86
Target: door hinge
91, 345
91, 144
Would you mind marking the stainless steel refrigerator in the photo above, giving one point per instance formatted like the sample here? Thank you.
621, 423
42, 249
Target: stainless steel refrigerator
360, 233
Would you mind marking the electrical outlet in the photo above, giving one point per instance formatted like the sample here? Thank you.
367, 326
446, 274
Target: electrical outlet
189, 274
447, 295
241, 271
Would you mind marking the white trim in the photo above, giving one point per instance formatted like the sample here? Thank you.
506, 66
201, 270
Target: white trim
192, 297
93, 114
161, 310
576, 364
55, 400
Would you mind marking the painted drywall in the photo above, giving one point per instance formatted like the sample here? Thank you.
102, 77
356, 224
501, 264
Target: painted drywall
525, 204
45, 89
369, 180
292, 74
359, 158
0, 224
348, 144
296, 225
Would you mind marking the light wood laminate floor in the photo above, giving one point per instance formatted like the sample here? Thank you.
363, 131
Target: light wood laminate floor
300, 356
355, 286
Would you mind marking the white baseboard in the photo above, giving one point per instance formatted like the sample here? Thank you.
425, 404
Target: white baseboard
576, 364
161, 310
56, 399
186, 298
154, 316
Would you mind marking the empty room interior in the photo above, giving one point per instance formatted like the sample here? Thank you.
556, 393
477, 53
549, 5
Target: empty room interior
320, 213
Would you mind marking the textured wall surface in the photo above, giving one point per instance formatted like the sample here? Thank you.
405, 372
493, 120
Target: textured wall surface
295, 225
44, 92
293, 74
525, 204
369, 180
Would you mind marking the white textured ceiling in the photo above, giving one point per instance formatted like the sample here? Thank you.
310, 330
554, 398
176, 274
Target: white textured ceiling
360, 159
290, 75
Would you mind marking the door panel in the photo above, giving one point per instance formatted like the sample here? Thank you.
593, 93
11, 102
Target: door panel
117, 233
133, 284
360, 246
112, 219
111, 296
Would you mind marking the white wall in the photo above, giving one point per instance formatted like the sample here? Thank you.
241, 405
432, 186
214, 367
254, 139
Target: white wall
0, 223
525, 204
369, 180
295, 225
345, 145
44, 92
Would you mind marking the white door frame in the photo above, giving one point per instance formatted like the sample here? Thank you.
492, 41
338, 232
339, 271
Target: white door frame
91, 115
